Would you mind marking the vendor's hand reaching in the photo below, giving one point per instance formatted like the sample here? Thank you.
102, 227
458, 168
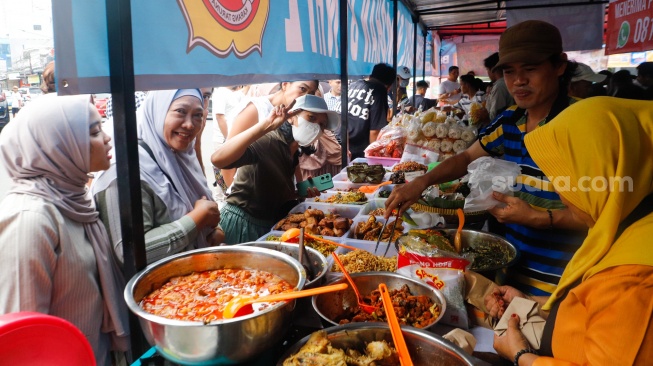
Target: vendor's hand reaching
512, 341
516, 210
205, 213
497, 301
278, 116
403, 196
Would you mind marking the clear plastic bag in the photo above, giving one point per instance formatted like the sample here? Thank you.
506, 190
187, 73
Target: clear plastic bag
420, 154
488, 175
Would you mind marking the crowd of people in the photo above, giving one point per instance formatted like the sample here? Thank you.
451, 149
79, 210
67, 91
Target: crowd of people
583, 253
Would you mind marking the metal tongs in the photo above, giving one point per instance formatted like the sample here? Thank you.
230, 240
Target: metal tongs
303, 257
392, 232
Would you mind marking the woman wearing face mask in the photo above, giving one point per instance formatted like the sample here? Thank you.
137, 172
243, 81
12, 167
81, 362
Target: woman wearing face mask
267, 155
257, 109
178, 210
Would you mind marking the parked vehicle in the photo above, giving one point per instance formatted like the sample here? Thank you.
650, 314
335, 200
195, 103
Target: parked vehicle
4, 109
100, 101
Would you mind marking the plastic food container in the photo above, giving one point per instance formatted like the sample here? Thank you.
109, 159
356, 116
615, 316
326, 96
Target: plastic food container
381, 160
330, 193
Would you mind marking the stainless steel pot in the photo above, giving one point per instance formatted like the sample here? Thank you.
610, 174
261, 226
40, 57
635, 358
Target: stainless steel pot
332, 306
425, 348
319, 263
226, 341
475, 237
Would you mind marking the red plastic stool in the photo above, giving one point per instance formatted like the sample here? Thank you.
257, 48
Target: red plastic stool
35, 339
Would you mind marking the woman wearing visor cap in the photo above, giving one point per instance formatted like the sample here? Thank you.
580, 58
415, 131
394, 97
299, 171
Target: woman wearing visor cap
267, 155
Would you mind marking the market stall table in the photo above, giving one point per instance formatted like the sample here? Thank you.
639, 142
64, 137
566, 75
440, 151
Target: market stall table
308, 321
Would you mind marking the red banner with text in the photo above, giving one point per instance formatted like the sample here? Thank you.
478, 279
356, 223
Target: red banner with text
630, 26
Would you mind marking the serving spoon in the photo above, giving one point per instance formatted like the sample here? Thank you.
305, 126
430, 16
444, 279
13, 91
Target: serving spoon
242, 305
366, 308
457, 240
395, 328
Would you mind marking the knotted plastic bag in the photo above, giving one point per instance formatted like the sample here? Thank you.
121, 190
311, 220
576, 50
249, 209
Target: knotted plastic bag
488, 175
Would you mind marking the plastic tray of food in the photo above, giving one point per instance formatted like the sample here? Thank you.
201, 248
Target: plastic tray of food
382, 193
368, 246
331, 194
379, 220
333, 227
364, 260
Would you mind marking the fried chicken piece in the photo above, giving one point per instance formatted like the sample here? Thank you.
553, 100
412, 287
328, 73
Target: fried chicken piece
295, 217
327, 232
341, 223
289, 225
317, 214
339, 232
279, 224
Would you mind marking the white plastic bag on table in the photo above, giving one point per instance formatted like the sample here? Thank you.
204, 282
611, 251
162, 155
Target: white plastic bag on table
488, 175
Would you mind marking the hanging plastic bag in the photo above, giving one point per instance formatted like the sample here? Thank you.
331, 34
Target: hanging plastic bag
488, 175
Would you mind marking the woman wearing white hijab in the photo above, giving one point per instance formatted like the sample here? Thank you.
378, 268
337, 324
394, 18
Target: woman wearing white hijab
56, 257
178, 211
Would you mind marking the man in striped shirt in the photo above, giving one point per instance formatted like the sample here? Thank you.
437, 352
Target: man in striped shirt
537, 74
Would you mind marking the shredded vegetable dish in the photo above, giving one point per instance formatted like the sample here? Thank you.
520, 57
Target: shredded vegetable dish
363, 261
201, 296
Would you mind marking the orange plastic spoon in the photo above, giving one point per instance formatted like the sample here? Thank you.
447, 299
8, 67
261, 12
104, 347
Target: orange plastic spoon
395, 328
242, 305
366, 308
457, 240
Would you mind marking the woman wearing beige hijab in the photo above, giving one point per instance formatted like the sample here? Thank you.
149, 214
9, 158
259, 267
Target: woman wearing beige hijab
56, 258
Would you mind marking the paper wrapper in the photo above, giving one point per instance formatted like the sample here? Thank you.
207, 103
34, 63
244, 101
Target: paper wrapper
462, 339
477, 288
531, 323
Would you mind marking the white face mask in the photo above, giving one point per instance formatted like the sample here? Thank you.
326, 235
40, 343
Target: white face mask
305, 132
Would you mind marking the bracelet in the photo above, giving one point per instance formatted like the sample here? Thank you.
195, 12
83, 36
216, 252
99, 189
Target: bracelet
550, 218
522, 352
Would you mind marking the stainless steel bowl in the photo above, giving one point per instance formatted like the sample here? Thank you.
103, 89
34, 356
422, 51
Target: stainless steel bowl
473, 238
224, 341
332, 305
425, 348
319, 264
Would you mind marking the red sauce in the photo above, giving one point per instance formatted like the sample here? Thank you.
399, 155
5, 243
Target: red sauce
201, 296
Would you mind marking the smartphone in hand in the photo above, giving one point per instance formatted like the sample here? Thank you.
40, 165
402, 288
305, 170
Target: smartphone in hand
322, 183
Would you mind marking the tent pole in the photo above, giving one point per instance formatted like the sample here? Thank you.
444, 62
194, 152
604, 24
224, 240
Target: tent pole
415, 20
121, 66
344, 82
425, 34
395, 12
